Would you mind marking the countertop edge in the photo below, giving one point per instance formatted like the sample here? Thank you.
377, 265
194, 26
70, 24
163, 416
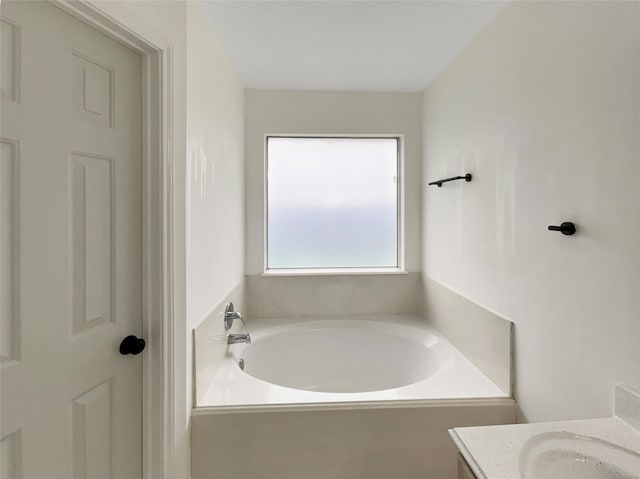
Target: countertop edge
475, 467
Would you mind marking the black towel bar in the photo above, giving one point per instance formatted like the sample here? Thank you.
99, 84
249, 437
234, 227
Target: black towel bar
438, 183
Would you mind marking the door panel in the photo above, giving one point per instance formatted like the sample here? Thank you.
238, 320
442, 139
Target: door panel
9, 216
92, 240
10, 67
70, 248
92, 425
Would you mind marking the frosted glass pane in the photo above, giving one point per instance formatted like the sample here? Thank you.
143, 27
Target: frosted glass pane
332, 202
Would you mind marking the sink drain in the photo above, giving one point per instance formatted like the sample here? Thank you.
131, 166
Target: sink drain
241, 364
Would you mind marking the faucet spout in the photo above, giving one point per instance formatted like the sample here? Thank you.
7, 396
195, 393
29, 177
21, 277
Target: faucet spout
238, 338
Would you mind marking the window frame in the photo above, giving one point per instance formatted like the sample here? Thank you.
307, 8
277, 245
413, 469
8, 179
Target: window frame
400, 203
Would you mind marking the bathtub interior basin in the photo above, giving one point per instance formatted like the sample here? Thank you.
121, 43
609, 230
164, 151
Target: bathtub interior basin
345, 356
563, 455
345, 360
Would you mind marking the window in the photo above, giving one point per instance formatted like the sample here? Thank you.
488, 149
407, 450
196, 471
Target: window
333, 203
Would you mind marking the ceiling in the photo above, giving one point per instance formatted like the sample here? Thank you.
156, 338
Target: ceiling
346, 45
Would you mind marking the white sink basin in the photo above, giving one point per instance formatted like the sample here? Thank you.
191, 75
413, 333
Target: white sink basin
564, 455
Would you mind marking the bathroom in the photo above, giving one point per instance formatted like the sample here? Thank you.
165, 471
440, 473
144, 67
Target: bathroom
538, 101
519, 105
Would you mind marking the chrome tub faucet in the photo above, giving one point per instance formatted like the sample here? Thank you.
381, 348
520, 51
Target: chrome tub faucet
229, 315
238, 338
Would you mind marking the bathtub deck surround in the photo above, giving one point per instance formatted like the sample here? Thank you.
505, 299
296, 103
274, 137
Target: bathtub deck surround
627, 405
589, 448
355, 443
210, 339
342, 397
333, 295
485, 338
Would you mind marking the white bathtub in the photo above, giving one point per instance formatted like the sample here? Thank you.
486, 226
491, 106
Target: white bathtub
344, 360
341, 398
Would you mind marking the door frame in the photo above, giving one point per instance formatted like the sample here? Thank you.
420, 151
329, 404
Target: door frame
158, 381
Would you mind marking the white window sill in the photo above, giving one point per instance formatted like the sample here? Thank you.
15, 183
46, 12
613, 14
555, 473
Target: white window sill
332, 271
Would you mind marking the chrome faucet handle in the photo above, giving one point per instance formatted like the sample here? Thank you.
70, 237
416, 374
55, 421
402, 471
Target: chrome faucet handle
230, 314
239, 316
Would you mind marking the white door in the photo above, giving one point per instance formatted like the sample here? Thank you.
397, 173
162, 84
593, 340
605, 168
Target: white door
71, 248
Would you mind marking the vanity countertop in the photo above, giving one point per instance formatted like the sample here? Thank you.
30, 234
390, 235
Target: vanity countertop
493, 452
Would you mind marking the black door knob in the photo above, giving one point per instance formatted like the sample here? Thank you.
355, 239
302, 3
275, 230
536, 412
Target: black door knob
132, 345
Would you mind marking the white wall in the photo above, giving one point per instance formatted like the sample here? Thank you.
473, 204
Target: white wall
215, 170
164, 24
300, 112
288, 112
215, 183
544, 109
208, 143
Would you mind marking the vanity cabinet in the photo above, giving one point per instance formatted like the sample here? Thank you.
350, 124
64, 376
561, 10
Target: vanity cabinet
464, 471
